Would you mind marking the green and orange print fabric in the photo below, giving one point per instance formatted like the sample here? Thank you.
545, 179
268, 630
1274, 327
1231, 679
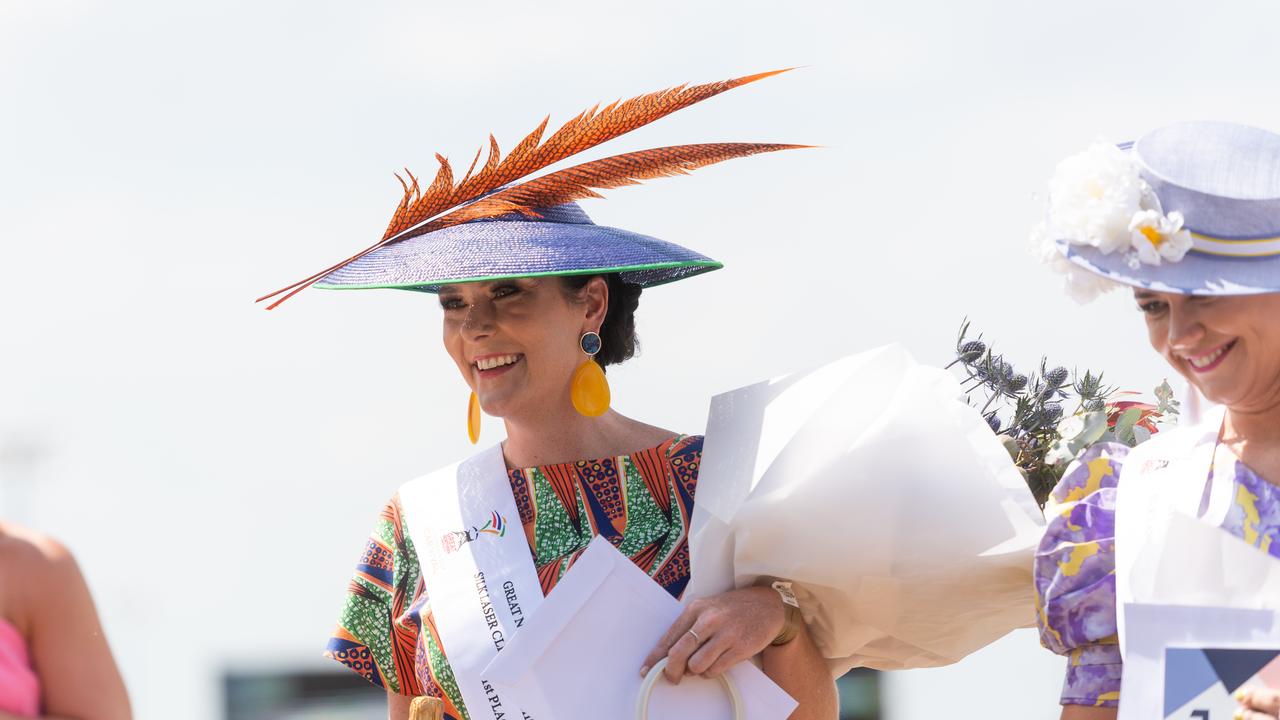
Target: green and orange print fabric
640, 502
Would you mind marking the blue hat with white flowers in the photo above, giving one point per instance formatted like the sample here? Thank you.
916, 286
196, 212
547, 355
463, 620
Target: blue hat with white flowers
1192, 208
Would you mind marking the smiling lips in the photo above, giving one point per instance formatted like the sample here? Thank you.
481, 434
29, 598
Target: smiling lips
1205, 363
495, 363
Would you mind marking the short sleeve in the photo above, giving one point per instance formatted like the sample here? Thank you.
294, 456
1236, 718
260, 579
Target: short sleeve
1075, 577
377, 633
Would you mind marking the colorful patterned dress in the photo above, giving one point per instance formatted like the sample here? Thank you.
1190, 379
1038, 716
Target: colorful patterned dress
641, 502
1075, 564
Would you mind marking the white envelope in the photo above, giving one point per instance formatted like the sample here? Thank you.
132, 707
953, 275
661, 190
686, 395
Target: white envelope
1217, 590
579, 655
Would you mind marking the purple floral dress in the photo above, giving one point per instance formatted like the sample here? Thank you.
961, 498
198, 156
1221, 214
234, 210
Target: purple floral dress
1075, 564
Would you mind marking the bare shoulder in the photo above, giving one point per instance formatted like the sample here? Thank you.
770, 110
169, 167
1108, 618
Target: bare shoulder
42, 564
52, 608
644, 435
23, 549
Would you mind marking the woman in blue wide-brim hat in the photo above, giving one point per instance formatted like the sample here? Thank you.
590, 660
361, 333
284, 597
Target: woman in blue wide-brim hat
537, 301
1189, 218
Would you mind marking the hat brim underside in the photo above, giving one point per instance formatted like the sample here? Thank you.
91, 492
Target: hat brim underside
1195, 274
486, 251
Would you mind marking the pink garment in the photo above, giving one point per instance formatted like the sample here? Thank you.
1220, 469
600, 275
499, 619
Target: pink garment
19, 686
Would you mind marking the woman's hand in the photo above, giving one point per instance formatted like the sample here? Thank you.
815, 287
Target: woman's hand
1258, 704
714, 634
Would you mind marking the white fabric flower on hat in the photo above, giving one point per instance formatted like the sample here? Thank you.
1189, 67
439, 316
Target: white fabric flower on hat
1157, 237
1094, 195
1097, 198
1081, 285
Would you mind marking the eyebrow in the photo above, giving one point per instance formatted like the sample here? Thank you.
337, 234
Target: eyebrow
1143, 295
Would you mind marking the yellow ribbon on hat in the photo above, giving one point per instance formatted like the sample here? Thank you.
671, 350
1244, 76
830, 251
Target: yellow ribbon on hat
1258, 247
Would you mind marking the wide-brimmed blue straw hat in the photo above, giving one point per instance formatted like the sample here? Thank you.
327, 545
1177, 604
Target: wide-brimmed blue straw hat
1208, 221
561, 240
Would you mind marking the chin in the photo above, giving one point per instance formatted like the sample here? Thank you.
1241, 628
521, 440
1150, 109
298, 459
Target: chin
494, 407
1217, 397
1225, 389
1225, 394
505, 404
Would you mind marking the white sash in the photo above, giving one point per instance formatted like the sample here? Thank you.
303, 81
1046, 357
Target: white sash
1170, 474
479, 574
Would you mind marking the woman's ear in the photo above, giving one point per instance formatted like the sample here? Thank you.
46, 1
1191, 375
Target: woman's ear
596, 294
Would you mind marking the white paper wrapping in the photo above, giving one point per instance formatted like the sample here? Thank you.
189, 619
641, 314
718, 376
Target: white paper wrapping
871, 485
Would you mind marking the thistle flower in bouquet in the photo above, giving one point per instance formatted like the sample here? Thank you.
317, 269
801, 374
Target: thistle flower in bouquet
1050, 416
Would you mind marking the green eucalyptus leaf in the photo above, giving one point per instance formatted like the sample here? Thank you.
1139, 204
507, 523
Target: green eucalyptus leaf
1167, 405
1095, 425
1010, 446
1061, 453
1140, 434
1125, 425
1127, 420
1071, 427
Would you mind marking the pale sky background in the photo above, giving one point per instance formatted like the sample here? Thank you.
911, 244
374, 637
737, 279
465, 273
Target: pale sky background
216, 467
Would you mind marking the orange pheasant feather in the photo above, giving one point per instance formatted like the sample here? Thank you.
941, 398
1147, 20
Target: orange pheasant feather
581, 181
586, 130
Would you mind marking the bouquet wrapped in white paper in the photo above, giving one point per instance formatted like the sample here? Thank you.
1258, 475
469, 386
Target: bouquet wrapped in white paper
873, 486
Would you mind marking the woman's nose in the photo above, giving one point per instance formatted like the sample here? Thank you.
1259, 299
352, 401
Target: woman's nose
1185, 329
478, 321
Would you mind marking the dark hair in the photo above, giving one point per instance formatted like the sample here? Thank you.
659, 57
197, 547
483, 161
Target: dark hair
618, 339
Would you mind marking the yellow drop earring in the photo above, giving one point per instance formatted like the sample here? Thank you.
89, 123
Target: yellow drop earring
473, 418
589, 389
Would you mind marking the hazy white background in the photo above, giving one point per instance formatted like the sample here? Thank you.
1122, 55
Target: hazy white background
216, 467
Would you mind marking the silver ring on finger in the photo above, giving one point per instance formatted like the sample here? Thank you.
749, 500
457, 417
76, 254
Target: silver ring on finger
695, 636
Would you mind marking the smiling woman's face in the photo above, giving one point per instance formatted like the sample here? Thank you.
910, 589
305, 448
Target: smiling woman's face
516, 341
1227, 346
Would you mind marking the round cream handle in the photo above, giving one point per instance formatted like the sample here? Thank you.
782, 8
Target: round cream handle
655, 672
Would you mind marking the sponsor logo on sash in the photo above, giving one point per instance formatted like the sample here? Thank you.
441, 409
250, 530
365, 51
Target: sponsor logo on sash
496, 526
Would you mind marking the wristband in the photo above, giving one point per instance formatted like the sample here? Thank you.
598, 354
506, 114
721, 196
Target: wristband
791, 624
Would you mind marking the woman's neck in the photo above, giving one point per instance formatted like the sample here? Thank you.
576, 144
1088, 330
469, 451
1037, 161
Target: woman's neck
1254, 436
1256, 424
563, 435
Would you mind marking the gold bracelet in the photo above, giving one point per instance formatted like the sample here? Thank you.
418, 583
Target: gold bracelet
426, 708
790, 626
794, 619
